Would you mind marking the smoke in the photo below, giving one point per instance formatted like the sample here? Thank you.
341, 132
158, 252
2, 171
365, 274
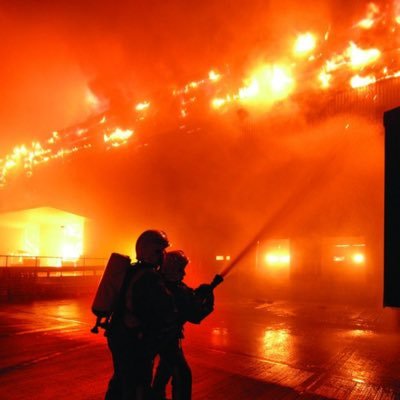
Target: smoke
52, 52
215, 187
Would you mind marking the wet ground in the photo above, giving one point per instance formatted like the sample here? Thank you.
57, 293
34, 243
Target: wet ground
253, 349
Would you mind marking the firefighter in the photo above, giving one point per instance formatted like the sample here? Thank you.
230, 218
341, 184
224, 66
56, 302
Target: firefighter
193, 306
144, 319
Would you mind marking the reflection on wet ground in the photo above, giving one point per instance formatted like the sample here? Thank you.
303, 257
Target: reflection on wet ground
334, 351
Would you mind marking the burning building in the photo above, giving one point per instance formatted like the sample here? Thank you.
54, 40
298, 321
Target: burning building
42, 236
212, 159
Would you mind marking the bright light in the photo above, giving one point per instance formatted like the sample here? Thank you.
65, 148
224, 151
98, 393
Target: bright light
369, 21
273, 258
360, 58
214, 76
304, 44
222, 258
358, 258
268, 84
325, 79
249, 91
142, 106
218, 103
338, 258
118, 137
359, 81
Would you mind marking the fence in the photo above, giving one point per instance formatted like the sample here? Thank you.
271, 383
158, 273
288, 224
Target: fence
48, 276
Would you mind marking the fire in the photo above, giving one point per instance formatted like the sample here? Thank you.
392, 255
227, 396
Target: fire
359, 58
369, 21
325, 79
214, 76
142, 106
359, 81
309, 63
304, 44
118, 137
218, 103
269, 83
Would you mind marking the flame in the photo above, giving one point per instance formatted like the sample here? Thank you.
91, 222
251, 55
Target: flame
369, 21
214, 76
118, 137
142, 106
360, 58
304, 44
332, 68
325, 79
359, 81
268, 83
218, 103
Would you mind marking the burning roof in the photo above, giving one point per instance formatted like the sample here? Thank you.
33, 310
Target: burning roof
314, 64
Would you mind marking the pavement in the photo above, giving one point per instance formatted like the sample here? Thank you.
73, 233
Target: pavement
247, 350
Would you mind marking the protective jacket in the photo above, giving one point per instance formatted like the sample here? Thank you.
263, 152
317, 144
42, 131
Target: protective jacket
146, 305
193, 305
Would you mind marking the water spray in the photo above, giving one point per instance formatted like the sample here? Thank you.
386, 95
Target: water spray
302, 192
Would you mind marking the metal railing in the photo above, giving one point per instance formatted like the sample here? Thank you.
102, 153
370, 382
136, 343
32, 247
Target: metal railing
14, 261
48, 276
16, 268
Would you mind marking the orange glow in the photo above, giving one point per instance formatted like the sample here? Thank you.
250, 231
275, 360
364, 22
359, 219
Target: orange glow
218, 103
219, 336
325, 79
91, 99
277, 254
142, 106
359, 81
54, 235
222, 258
118, 137
359, 58
276, 343
277, 259
358, 258
347, 253
369, 21
214, 76
268, 83
304, 44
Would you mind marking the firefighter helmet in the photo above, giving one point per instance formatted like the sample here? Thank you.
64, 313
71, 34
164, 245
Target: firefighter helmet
173, 266
150, 238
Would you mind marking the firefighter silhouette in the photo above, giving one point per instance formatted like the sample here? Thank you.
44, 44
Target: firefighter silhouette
193, 306
143, 319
